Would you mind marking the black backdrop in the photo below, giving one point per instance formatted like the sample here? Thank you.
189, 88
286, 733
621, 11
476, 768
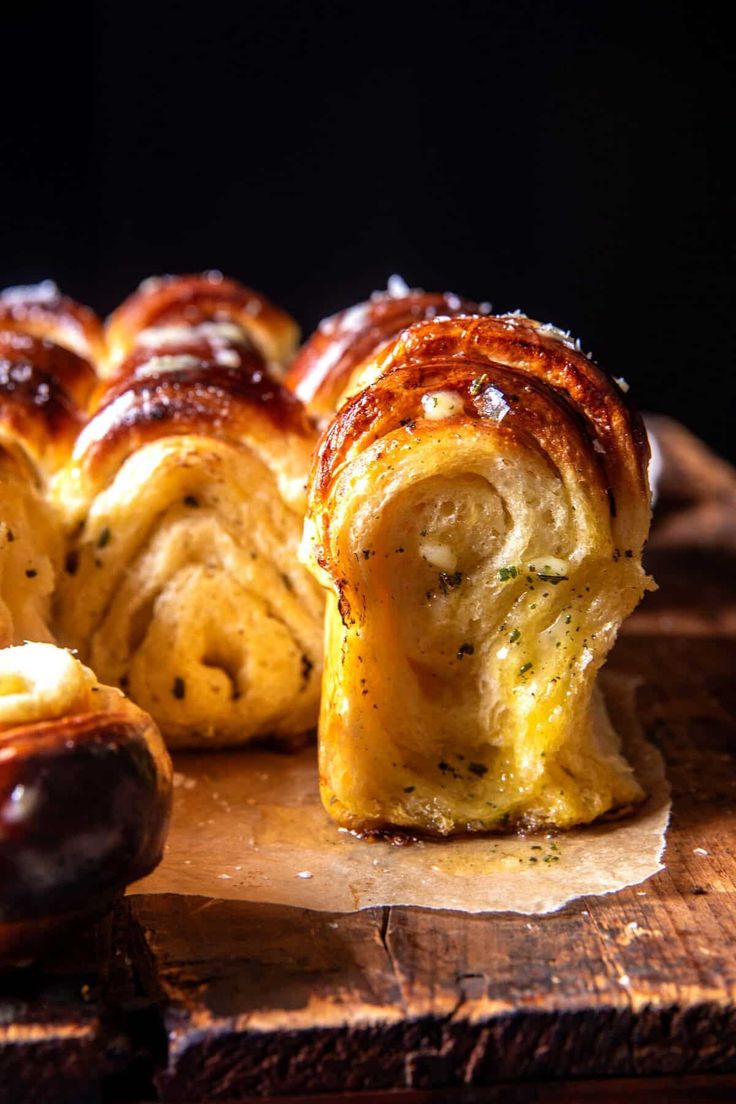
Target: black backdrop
563, 158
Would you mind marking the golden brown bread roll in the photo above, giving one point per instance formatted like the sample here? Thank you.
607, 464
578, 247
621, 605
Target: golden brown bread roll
40, 310
206, 306
184, 502
477, 513
85, 796
42, 390
323, 368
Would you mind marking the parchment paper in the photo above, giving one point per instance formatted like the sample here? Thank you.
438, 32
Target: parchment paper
249, 826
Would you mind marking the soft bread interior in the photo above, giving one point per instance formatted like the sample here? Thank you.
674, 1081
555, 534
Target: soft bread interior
486, 596
192, 601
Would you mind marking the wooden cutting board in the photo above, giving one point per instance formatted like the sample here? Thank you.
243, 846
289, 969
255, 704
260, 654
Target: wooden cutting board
198, 999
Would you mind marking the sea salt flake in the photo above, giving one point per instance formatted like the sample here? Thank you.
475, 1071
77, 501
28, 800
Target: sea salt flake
492, 404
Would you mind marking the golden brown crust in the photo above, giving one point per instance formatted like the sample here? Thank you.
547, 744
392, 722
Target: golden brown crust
43, 390
151, 399
477, 514
194, 299
550, 393
42, 311
324, 365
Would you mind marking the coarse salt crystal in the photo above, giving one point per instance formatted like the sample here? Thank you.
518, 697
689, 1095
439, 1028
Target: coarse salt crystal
305, 874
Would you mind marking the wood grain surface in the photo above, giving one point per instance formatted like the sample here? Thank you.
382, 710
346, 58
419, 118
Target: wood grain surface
210, 1000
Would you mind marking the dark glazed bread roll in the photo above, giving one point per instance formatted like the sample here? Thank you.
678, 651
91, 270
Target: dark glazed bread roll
324, 367
85, 796
477, 513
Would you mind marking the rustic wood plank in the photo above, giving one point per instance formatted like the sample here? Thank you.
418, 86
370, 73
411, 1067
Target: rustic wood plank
50, 1026
82, 1020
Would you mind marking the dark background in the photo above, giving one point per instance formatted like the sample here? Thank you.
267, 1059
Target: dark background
563, 158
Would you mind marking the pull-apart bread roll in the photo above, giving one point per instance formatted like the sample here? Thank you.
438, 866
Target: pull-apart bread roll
210, 308
85, 795
42, 390
185, 500
324, 369
40, 310
478, 513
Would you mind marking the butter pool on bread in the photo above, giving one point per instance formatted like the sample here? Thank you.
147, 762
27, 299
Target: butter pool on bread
184, 501
477, 513
85, 796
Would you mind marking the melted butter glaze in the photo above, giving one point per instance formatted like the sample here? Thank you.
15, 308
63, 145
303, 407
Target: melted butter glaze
43, 312
322, 368
193, 299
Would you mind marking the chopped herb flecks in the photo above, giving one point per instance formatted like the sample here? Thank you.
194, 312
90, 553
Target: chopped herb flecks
179, 688
514, 636
507, 573
478, 768
525, 667
478, 384
465, 649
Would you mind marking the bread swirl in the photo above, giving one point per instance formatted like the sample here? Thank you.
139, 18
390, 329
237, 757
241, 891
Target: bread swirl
477, 512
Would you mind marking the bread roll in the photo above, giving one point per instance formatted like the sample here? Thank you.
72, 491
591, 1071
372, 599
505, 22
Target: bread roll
184, 502
43, 388
85, 796
477, 513
207, 306
40, 310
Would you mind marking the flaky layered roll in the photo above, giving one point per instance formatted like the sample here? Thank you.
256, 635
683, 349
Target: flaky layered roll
184, 502
477, 513
40, 310
206, 307
85, 795
326, 365
43, 388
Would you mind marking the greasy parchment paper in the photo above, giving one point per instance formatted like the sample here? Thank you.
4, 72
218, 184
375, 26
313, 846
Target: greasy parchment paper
249, 826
